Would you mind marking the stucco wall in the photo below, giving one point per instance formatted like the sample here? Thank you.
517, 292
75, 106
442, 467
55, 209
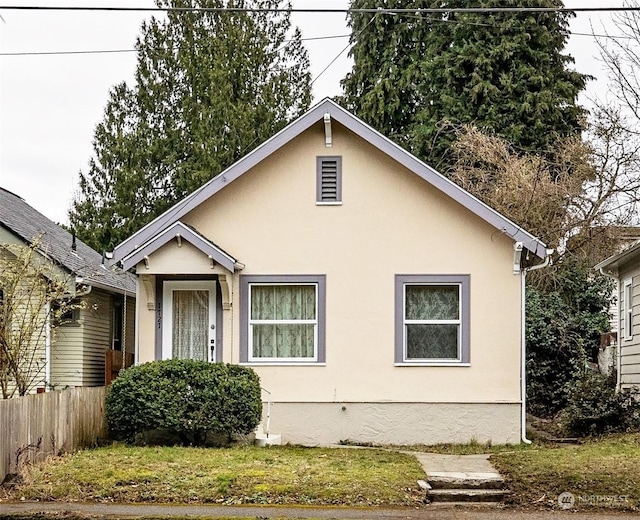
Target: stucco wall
390, 222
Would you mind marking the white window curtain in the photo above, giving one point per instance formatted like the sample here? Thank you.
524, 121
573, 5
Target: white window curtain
283, 321
432, 320
190, 324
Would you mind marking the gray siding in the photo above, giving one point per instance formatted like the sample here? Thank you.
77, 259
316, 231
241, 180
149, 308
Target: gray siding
77, 352
66, 355
131, 325
629, 348
97, 337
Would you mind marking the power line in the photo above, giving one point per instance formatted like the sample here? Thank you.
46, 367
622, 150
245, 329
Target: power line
424, 10
340, 53
61, 53
124, 51
113, 51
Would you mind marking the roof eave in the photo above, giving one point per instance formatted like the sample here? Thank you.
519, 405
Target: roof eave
612, 264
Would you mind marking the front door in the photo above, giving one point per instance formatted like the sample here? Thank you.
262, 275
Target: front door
189, 320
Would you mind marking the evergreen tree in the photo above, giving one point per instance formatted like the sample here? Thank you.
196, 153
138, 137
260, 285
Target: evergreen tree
416, 77
209, 86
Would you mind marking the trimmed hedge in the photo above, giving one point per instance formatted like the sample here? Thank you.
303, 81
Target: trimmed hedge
192, 400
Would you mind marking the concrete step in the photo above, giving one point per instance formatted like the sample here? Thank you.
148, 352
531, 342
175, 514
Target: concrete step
467, 495
464, 480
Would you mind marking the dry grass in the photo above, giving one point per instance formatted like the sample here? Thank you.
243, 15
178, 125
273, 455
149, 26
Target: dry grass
239, 475
602, 473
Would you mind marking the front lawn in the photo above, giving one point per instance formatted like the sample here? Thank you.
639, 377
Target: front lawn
238, 475
599, 473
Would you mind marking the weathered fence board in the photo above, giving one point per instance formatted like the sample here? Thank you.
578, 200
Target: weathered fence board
36, 426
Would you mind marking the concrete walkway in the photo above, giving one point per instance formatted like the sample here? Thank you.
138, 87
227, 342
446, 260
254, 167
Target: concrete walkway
457, 466
461, 479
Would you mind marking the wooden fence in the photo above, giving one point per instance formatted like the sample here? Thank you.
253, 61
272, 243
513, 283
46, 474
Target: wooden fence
36, 426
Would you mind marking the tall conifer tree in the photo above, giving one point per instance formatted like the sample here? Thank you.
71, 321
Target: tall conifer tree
209, 87
414, 75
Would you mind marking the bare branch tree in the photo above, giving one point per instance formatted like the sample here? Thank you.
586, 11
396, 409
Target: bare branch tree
620, 54
578, 200
35, 296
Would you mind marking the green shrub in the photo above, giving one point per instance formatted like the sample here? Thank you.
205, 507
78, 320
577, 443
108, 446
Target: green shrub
189, 399
565, 317
596, 408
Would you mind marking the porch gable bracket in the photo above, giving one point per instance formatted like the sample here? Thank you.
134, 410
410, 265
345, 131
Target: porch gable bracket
180, 232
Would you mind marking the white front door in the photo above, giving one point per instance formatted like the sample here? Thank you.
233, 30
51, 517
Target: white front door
189, 320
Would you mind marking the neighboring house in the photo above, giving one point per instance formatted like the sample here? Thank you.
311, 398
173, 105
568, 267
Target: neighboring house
377, 300
625, 269
75, 355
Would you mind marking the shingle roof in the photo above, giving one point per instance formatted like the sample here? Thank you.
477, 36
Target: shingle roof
28, 224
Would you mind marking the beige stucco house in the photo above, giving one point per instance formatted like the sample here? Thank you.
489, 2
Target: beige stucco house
625, 269
377, 300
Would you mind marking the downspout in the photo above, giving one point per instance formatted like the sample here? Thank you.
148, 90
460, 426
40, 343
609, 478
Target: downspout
523, 344
47, 348
136, 342
619, 335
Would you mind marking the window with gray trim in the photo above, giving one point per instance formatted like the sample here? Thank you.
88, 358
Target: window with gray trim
432, 319
282, 319
329, 180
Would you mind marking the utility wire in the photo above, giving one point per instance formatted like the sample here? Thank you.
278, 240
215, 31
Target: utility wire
341, 52
425, 10
107, 51
61, 53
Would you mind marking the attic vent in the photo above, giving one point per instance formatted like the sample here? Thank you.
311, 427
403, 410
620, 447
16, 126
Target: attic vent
329, 180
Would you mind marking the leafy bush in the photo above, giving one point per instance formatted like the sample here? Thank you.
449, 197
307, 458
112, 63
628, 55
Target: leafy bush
191, 399
596, 408
565, 317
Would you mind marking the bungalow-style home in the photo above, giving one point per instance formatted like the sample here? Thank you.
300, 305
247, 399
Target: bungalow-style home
625, 269
377, 300
103, 323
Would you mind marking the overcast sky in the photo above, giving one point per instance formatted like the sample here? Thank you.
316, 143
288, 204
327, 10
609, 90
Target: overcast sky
50, 104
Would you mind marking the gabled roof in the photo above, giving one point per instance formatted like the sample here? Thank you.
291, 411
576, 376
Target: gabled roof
367, 133
180, 231
29, 225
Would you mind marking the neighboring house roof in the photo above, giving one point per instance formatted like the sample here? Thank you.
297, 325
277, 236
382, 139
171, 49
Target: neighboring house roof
613, 263
55, 242
313, 116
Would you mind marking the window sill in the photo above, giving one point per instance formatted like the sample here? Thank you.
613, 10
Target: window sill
433, 364
328, 203
282, 364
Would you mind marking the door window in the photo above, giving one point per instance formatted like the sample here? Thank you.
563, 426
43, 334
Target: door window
189, 320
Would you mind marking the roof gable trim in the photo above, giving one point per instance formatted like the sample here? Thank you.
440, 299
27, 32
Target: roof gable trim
351, 122
179, 229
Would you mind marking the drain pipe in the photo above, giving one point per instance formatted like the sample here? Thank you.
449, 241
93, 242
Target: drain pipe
523, 344
268, 413
48, 385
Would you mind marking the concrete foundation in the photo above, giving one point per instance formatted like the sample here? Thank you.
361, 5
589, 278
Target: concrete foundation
319, 424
